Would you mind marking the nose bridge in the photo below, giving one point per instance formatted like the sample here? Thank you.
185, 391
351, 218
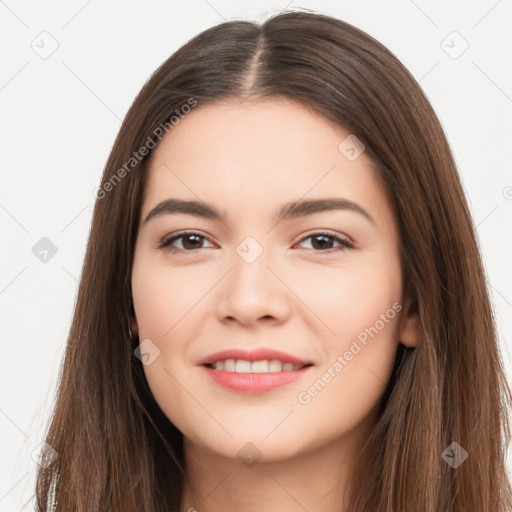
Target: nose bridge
251, 271
251, 250
252, 291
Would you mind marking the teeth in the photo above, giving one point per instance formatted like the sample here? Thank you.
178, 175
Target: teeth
275, 366
266, 366
229, 365
259, 367
243, 366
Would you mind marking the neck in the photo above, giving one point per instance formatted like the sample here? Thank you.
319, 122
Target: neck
217, 483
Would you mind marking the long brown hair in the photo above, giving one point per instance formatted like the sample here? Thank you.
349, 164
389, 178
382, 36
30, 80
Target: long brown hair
117, 450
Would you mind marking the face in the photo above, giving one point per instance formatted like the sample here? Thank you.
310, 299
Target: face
320, 285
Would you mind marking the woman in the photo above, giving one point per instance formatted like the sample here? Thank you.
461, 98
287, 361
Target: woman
282, 305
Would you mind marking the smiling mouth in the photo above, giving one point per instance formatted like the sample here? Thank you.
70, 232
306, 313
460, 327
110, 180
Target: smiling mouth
263, 366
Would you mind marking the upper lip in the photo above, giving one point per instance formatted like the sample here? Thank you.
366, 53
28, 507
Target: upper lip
258, 354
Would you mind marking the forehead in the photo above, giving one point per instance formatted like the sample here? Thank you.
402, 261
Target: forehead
253, 155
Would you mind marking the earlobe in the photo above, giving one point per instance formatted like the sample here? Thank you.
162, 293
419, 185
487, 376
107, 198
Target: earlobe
410, 326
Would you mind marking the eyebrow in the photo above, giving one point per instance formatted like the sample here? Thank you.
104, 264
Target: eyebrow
290, 210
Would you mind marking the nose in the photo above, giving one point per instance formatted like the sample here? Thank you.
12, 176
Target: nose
253, 293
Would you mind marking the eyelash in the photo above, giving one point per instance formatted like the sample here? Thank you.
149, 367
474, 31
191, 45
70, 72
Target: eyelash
166, 243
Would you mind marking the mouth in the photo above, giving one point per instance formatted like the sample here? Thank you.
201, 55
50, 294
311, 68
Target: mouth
262, 366
254, 377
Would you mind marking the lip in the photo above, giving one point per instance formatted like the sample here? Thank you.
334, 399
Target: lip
254, 383
258, 354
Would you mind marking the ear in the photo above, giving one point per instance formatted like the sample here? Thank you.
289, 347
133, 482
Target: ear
134, 324
133, 319
409, 332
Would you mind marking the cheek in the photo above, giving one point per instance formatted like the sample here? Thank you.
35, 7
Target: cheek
162, 296
358, 358
360, 305
350, 299
166, 303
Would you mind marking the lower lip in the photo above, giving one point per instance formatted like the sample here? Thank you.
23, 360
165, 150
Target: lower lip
254, 382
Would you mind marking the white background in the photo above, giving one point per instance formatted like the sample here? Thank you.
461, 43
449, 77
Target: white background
59, 117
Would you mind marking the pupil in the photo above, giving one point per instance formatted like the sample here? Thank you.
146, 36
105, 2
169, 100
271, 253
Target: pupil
187, 238
325, 238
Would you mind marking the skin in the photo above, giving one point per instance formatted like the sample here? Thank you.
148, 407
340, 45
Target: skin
249, 159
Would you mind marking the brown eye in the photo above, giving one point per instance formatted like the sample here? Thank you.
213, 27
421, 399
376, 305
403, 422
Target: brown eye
190, 242
323, 242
